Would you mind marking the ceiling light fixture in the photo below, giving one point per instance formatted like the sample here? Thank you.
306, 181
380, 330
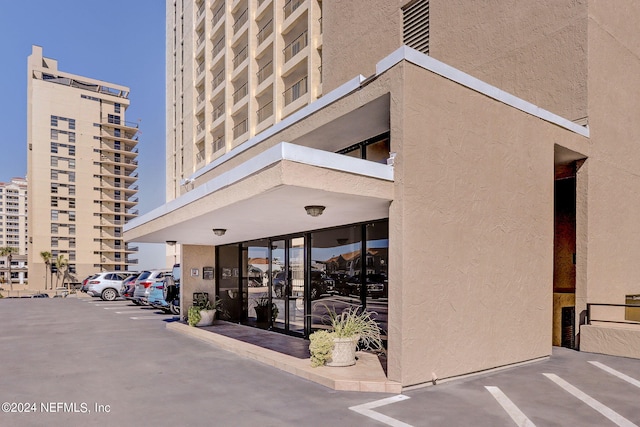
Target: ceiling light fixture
219, 231
314, 210
171, 242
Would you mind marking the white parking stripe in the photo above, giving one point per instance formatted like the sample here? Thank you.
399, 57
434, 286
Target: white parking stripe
617, 374
604, 410
127, 312
147, 317
514, 412
366, 410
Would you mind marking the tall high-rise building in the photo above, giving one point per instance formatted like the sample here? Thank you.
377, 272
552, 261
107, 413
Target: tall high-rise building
234, 69
81, 170
13, 227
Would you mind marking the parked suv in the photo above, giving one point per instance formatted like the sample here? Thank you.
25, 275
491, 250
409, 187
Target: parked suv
107, 284
144, 281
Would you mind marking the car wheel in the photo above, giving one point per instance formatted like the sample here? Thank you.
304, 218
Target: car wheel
135, 301
169, 292
175, 309
109, 294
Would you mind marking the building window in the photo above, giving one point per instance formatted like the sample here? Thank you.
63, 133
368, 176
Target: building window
54, 147
54, 202
72, 229
72, 163
72, 124
54, 188
72, 215
113, 119
54, 174
54, 134
116, 108
54, 228
54, 242
54, 215
54, 121
54, 161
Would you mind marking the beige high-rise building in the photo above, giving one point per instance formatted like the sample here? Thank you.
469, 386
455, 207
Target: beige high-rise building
81, 171
13, 228
234, 69
470, 173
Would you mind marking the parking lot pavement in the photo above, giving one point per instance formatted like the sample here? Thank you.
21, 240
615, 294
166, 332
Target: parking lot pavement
88, 362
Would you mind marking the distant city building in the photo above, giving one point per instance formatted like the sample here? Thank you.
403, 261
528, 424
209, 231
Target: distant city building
13, 227
81, 170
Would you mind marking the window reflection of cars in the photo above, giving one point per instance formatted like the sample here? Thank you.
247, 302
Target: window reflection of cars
320, 284
376, 286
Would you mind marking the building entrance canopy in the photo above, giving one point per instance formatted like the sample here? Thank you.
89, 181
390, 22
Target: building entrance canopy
266, 196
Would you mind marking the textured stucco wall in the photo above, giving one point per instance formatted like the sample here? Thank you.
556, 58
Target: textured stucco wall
195, 256
533, 49
356, 35
617, 341
472, 281
609, 185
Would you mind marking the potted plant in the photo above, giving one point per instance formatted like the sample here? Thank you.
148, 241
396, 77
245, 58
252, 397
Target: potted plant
337, 346
262, 310
202, 312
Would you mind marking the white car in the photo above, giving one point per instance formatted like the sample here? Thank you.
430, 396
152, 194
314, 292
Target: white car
107, 284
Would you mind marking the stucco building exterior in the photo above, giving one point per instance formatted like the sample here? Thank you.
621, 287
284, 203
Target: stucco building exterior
13, 228
81, 171
475, 162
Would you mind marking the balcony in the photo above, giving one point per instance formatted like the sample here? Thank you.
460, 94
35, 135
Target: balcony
293, 48
240, 21
291, 7
241, 128
217, 48
200, 127
264, 72
265, 31
295, 91
217, 16
218, 79
240, 93
200, 156
240, 57
265, 112
218, 112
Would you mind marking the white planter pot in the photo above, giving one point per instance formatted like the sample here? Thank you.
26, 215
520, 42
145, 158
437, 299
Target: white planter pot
344, 352
207, 317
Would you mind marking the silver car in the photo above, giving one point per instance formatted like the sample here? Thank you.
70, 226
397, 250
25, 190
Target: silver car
144, 282
106, 285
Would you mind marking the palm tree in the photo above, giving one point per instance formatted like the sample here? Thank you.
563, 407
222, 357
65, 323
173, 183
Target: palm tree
8, 251
60, 264
46, 257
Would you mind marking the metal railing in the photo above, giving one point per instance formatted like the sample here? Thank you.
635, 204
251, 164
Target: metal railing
265, 71
217, 16
200, 98
265, 31
200, 69
240, 128
200, 11
590, 318
265, 112
200, 156
217, 48
240, 93
240, 20
200, 40
218, 112
200, 127
218, 79
218, 144
295, 91
241, 56
293, 48
291, 6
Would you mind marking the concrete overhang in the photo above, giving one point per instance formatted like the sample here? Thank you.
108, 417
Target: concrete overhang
265, 196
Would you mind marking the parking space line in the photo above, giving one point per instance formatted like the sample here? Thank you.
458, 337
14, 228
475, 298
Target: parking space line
620, 375
510, 408
604, 410
146, 317
127, 312
366, 409
120, 307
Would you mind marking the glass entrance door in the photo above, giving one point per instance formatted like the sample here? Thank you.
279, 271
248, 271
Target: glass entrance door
287, 284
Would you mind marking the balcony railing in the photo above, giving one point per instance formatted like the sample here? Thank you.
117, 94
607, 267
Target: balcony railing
200, 156
218, 112
200, 11
265, 72
200, 69
295, 91
218, 47
218, 144
241, 56
217, 16
200, 40
240, 128
200, 98
291, 6
218, 79
265, 112
200, 127
295, 46
240, 20
265, 31
240, 93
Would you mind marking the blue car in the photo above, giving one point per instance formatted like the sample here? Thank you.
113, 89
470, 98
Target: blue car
155, 296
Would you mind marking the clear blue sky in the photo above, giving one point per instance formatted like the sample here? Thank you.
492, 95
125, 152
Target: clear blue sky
119, 41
